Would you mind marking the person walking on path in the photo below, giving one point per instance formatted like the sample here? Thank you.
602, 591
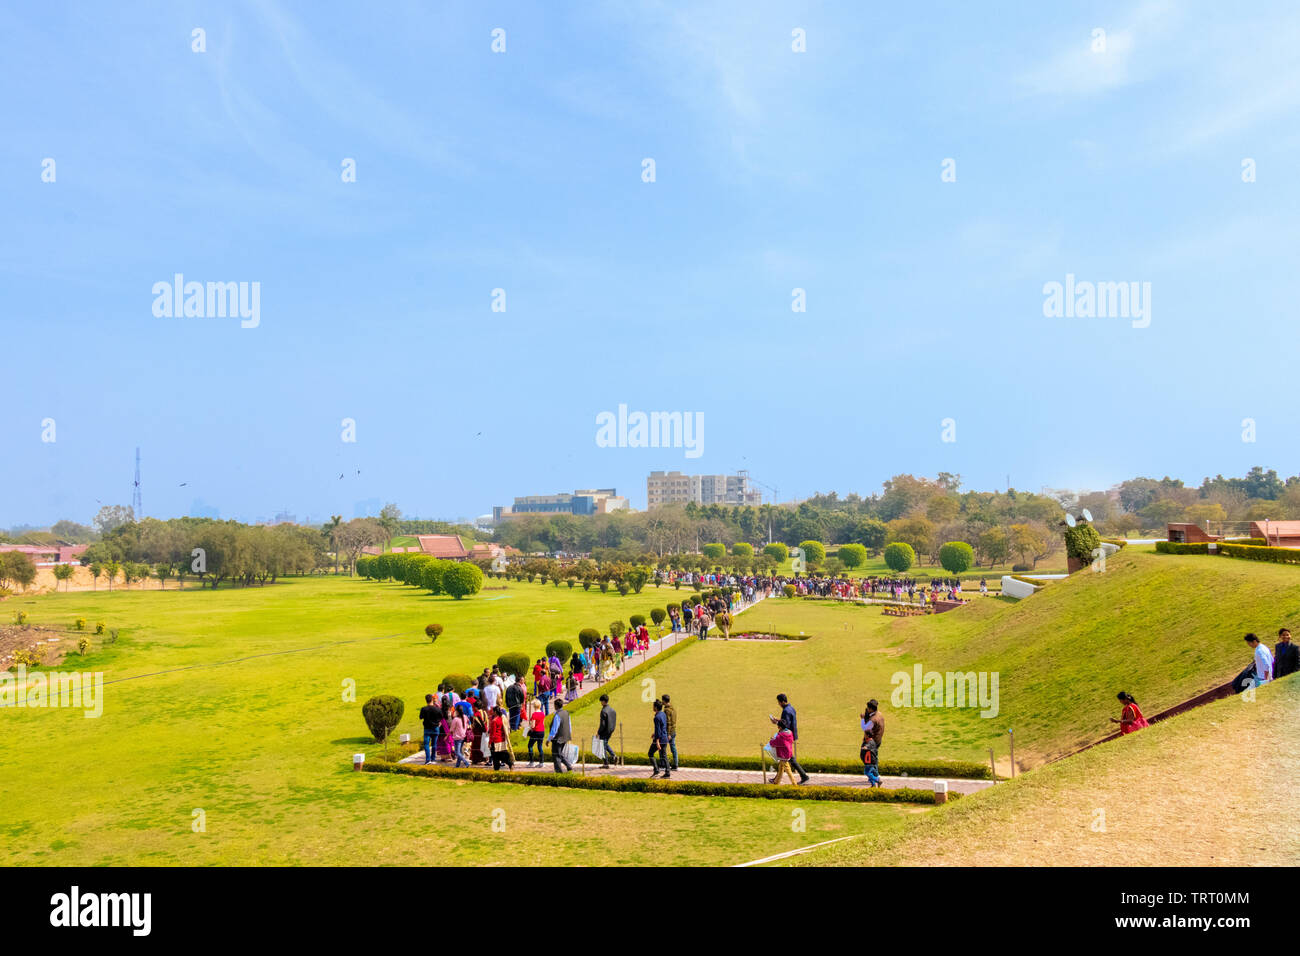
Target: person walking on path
659, 742
515, 697
1286, 656
782, 744
873, 734
457, 732
431, 717
608, 721
536, 734
791, 721
499, 738
560, 734
1263, 660
670, 717
1130, 718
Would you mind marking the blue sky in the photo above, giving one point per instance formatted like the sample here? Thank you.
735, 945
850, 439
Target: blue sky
522, 171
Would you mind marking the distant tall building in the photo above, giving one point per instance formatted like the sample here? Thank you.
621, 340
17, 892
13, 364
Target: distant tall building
673, 487
584, 501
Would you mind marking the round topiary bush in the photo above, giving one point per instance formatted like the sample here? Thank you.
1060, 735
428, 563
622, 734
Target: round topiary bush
458, 682
658, 615
587, 637
776, 551
742, 549
1081, 541
813, 551
560, 648
514, 662
432, 631
617, 629
956, 557
899, 556
637, 620
461, 578
853, 555
382, 714
789, 590
714, 551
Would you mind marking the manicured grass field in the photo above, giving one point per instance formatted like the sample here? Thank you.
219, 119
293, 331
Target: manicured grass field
1162, 627
1190, 791
231, 702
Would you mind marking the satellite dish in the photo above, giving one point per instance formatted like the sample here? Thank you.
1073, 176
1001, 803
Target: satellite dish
1069, 519
1087, 515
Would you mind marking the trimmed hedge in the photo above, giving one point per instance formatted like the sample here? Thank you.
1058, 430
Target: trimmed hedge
951, 769
1257, 553
577, 781
560, 648
1178, 547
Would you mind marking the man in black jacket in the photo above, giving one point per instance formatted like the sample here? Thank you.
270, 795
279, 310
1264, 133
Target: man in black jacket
515, 695
1286, 656
608, 721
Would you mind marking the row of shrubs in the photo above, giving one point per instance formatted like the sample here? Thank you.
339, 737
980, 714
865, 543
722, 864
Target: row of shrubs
646, 785
456, 578
520, 663
1252, 552
1261, 553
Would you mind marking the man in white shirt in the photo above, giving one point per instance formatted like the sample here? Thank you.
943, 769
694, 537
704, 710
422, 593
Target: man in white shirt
1263, 660
490, 694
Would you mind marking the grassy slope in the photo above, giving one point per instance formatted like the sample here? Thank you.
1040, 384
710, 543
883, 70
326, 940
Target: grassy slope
263, 745
1200, 789
1163, 627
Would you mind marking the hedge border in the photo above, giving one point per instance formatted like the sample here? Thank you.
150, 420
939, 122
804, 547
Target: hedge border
1258, 553
943, 769
759, 791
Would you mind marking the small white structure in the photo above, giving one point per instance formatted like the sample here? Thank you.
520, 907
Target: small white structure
1012, 587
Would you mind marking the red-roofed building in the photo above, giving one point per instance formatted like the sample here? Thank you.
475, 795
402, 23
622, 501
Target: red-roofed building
48, 553
1278, 534
449, 547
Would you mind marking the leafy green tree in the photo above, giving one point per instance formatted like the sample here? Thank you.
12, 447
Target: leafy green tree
956, 556
777, 551
899, 557
994, 546
714, 552
742, 549
62, 572
162, 572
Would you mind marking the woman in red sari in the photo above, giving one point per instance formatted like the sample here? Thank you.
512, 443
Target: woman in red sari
1130, 719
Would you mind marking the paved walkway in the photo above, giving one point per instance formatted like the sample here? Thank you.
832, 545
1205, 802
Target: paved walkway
657, 646
711, 775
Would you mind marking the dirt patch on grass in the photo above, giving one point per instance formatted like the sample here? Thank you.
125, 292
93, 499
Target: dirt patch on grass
50, 646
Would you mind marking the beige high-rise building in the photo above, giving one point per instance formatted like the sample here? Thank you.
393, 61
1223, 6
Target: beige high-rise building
673, 487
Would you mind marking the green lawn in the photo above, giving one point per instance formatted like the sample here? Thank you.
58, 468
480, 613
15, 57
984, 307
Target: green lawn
254, 732
232, 702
